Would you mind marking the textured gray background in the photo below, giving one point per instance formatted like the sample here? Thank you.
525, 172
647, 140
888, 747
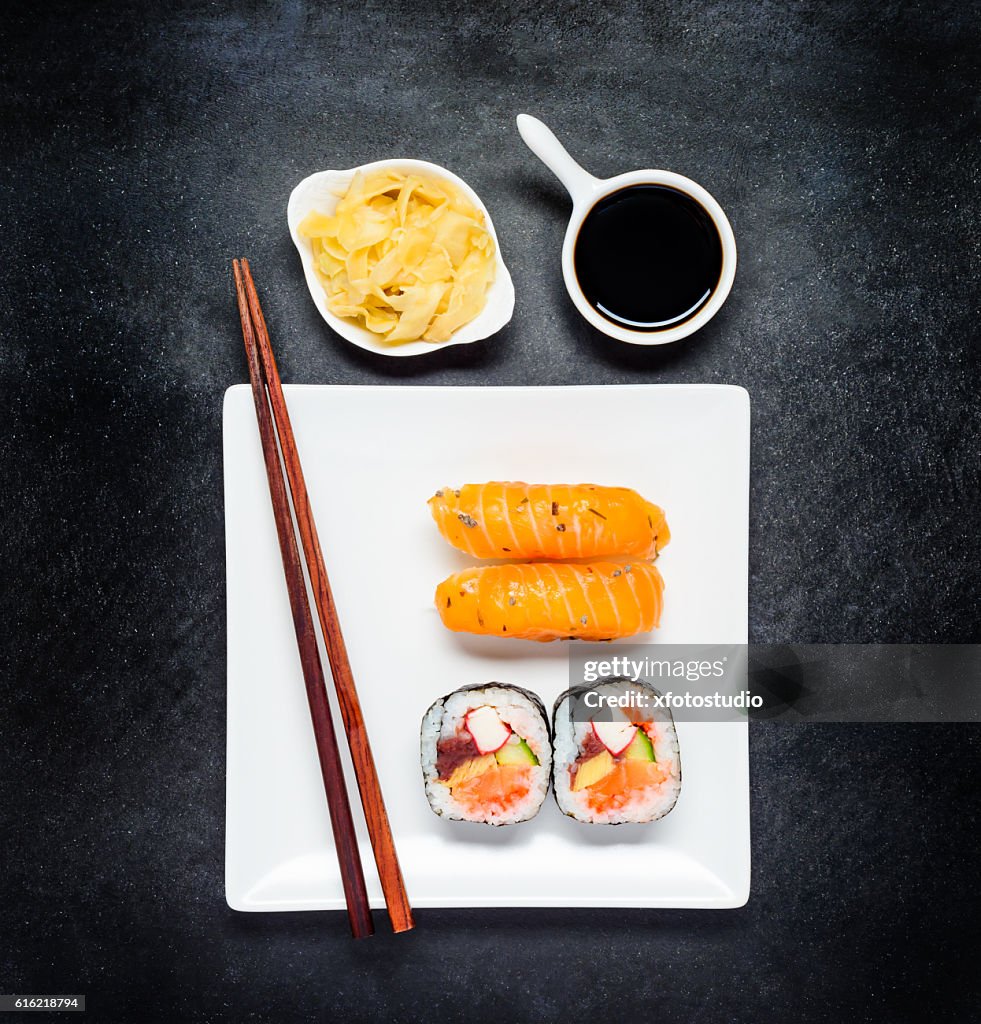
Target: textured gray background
146, 145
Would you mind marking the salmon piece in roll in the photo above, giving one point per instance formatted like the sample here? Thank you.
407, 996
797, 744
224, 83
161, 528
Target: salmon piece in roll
550, 601
553, 521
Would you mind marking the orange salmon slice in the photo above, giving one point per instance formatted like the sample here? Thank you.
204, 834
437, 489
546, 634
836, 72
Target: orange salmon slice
500, 789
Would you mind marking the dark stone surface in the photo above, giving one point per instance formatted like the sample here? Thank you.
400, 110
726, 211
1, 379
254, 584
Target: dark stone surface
145, 145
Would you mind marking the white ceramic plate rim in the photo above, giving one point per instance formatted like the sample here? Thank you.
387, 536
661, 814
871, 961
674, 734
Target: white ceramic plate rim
318, 192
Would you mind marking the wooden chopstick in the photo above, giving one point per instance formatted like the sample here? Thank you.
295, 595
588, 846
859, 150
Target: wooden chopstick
376, 817
342, 824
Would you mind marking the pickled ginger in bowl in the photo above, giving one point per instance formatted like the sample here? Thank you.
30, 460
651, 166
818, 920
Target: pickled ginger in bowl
400, 256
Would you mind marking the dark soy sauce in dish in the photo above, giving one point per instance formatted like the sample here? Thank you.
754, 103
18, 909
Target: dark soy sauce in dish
648, 257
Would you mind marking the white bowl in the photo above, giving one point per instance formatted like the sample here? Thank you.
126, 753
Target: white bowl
586, 191
320, 192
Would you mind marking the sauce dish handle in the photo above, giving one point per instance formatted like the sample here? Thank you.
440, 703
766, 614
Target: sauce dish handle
538, 137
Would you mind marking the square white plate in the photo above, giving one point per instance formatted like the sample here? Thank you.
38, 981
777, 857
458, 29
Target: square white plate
372, 457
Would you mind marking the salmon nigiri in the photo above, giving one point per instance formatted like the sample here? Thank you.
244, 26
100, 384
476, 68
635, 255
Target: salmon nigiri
549, 601
516, 520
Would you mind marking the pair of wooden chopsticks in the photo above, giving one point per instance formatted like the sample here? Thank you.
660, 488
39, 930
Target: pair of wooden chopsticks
264, 375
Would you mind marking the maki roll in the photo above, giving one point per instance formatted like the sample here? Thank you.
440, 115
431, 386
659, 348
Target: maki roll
616, 756
486, 754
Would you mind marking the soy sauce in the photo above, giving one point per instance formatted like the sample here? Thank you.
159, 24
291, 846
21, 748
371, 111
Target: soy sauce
648, 257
